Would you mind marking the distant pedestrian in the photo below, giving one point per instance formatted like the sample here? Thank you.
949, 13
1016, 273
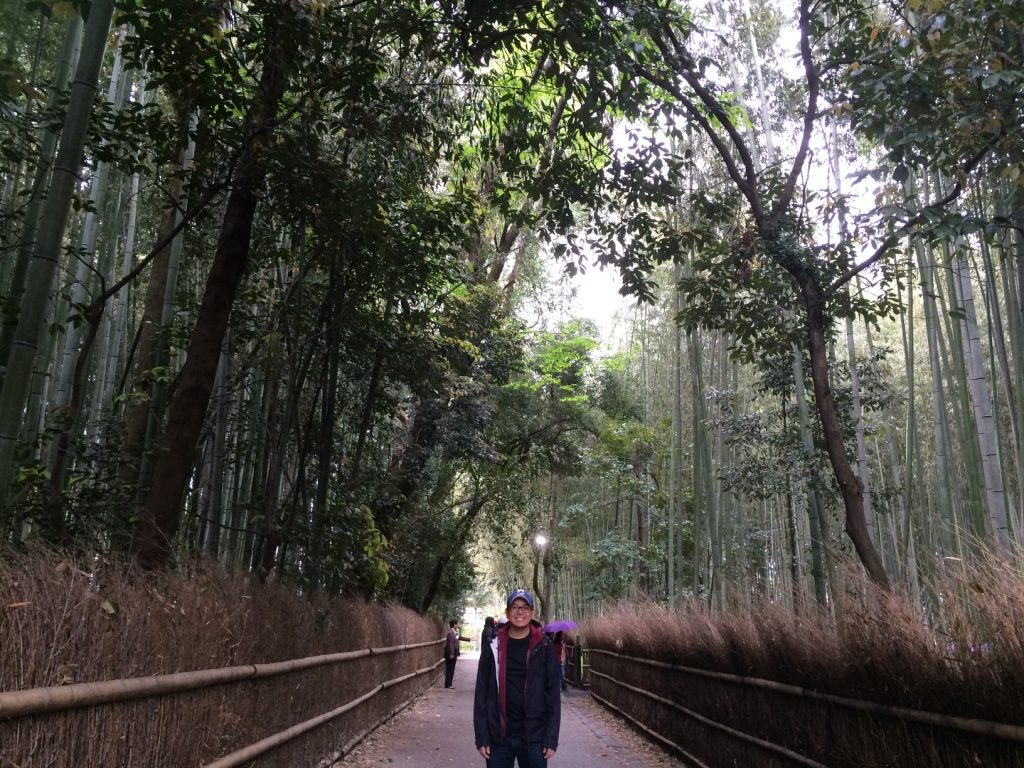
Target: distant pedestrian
451, 653
517, 703
488, 634
559, 641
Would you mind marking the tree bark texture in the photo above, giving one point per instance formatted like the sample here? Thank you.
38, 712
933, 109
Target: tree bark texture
161, 511
849, 484
147, 345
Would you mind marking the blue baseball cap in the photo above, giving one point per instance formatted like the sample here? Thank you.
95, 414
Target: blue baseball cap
519, 593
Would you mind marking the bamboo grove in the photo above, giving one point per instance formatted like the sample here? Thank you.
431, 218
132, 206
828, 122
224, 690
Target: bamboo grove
274, 291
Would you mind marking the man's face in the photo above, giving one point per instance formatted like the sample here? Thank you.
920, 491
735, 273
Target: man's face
519, 613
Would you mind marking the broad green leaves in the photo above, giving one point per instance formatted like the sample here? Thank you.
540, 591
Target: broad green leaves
936, 84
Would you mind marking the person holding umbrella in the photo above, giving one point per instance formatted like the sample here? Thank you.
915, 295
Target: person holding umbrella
557, 630
517, 703
559, 642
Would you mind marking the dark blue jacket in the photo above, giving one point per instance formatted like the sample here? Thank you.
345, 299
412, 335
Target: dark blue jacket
543, 691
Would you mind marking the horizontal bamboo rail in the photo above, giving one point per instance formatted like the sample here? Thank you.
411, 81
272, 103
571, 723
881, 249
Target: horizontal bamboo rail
329, 760
244, 755
649, 731
768, 746
966, 724
55, 698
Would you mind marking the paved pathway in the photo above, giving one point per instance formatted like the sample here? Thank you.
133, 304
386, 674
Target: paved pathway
436, 731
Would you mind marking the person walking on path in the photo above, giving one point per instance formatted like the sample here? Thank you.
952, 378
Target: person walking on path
451, 653
560, 650
517, 701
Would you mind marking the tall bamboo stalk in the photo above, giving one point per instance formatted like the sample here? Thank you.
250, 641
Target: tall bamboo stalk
933, 329
119, 315
215, 489
820, 566
67, 61
863, 467
963, 415
999, 361
47, 251
984, 419
68, 415
142, 407
676, 449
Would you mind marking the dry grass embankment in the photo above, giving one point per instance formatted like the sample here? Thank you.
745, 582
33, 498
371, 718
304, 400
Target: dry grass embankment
62, 623
965, 660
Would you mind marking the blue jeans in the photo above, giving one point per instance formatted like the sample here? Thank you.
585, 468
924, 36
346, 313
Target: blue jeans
505, 754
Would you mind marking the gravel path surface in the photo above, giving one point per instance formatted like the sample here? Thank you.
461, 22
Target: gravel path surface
436, 731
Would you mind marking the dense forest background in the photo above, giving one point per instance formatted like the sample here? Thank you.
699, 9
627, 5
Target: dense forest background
279, 287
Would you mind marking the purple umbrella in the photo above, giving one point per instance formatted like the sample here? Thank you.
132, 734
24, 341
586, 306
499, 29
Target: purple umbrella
559, 626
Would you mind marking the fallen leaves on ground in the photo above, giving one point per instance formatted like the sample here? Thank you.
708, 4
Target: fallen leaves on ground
373, 751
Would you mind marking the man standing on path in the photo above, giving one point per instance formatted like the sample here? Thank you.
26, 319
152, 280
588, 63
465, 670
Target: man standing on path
451, 653
517, 703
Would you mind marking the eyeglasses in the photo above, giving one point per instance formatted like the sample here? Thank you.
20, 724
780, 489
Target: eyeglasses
520, 608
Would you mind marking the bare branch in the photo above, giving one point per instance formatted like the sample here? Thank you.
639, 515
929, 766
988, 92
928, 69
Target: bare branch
747, 179
896, 236
744, 181
810, 112
161, 244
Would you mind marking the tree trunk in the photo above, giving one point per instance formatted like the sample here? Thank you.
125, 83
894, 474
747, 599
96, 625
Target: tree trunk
372, 391
148, 344
161, 513
849, 484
